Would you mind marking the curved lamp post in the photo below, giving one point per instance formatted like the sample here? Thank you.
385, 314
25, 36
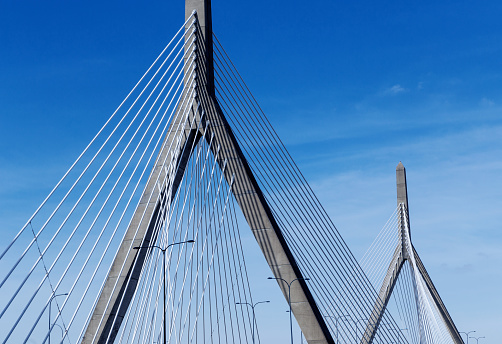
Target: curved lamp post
467, 335
336, 322
477, 339
252, 307
62, 331
164, 272
50, 304
289, 299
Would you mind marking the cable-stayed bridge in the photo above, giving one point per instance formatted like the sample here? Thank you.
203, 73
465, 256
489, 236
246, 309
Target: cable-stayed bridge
140, 240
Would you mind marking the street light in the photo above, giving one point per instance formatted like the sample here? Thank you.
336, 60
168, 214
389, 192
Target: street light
477, 339
252, 307
61, 328
336, 322
50, 304
289, 299
467, 335
164, 272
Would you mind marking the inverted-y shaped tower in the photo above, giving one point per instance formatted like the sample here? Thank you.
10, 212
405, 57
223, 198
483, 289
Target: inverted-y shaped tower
406, 252
121, 283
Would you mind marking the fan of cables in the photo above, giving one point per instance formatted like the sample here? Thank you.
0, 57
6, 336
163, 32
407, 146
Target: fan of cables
193, 275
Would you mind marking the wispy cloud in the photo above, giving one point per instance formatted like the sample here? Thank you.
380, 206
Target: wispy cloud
396, 89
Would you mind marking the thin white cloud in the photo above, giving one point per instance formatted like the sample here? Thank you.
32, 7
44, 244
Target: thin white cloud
396, 89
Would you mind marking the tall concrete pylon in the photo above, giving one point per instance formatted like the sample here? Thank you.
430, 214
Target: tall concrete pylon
405, 251
114, 302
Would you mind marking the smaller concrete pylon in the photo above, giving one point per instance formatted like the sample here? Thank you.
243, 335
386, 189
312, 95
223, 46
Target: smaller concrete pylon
405, 251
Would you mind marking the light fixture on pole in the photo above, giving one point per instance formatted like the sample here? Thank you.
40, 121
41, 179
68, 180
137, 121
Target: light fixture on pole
254, 318
164, 273
50, 303
467, 335
477, 339
289, 299
336, 322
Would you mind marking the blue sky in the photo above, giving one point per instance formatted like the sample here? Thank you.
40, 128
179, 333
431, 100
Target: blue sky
352, 89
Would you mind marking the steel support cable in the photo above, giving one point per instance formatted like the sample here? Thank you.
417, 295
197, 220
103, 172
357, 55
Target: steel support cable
204, 241
99, 263
188, 194
85, 169
383, 233
210, 262
166, 242
105, 182
213, 270
170, 293
418, 303
438, 327
178, 230
142, 297
127, 206
378, 263
191, 216
408, 301
235, 228
209, 266
424, 306
225, 243
235, 252
130, 247
386, 235
194, 172
4, 310
400, 300
377, 271
378, 260
92, 141
431, 318
114, 232
227, 323
89, 206
175, 233
408, 298
215, 247
58, 232
196, 236
225, 252
413, 302
163, 236
238, 263
179, 216
192, 211
405, 301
